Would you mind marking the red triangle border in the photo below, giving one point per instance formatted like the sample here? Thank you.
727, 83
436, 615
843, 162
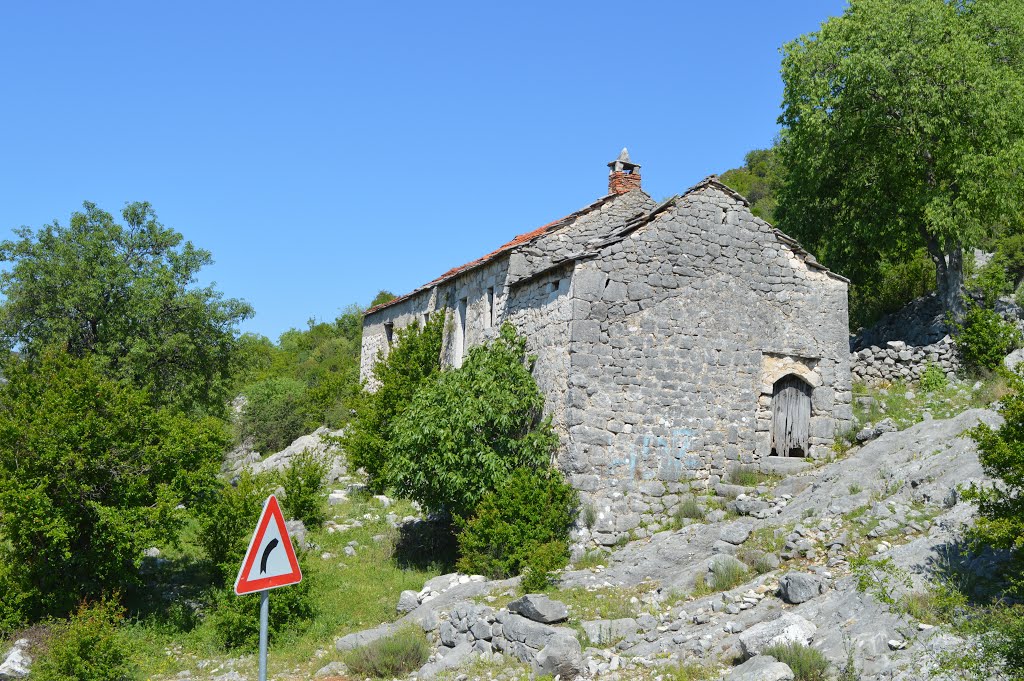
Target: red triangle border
271, 511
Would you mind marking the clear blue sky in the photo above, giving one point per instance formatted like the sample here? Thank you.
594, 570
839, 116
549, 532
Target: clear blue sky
325, 150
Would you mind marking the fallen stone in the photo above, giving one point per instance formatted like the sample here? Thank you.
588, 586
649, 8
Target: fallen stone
735, 533
799, 587
331, 669
540, 608
788, 628
561, 658
762, 668
408, 601
601, 632
451, 660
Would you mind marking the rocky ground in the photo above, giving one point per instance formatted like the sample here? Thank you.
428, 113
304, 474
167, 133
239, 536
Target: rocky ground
771, 562
659, 601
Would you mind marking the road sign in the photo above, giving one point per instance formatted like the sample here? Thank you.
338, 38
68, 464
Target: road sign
270, 561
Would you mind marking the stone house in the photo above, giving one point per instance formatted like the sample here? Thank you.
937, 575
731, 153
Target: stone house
674, 341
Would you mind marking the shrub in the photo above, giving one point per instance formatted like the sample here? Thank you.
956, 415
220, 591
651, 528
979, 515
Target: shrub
808, 664
467, 429
87, 647
529, 511
90, 475
985, 338
236, 622
227, 521
304, 486
541, 563
991, 281
933, 378
414, 356
275, 413
394, 656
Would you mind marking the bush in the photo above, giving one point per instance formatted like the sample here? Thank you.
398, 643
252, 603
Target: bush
808, 664
304, 487
90, 475
933, 378
467, 429
394, 656
541, 563
985, 338
236, 619
415, 355
227, 521
275, 413
529, 511
690, 508
991, 281
87, 647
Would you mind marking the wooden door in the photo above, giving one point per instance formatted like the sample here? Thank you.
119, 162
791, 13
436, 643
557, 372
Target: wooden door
791, 417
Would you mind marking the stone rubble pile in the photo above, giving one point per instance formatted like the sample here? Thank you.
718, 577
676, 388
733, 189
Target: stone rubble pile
524, 630
897, 361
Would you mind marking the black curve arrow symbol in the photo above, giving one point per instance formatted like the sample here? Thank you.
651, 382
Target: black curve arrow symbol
266, 554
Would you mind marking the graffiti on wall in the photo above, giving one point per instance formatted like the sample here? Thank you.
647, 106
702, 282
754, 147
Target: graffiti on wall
656, 456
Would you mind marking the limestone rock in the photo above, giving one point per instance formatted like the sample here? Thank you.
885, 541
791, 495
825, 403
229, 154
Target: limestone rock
452, 659
735, 533
798, 587
762, 668
17, 661
540, 608
788, 628
604, 632
331, 669
408, 601
561, 658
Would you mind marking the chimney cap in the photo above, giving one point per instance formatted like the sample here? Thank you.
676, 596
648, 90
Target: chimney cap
622, 163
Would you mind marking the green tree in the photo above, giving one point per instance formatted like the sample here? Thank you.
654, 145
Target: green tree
465, 430
124, 293
759, 180
90, 475
414, 356
904, 129
383, 296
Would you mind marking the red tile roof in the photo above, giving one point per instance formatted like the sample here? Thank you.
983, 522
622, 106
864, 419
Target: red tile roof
517, 241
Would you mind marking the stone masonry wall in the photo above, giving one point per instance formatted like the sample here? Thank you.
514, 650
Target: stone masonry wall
897, 361
678, 332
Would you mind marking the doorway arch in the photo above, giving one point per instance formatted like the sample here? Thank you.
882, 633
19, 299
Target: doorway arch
791, 416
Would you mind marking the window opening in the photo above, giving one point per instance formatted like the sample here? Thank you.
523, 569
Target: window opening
490, 307
389, 331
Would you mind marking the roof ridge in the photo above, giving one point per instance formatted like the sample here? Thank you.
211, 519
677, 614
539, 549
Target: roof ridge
519, 240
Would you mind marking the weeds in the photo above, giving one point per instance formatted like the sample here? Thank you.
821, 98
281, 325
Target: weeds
808, 664
406, 651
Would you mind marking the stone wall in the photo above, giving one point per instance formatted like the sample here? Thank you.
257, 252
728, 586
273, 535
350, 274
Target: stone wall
897, 361
679, 330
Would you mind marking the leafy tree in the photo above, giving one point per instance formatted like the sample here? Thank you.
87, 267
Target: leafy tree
126, 294
90, 475
759, 180
274, 413
383, 296
465, 430
414, 356
904, 122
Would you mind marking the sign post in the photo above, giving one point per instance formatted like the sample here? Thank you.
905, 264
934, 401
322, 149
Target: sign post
269, 563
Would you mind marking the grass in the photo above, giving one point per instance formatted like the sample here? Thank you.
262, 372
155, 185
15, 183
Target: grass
406, 651
688, 670
725, 575
603, 603
808, 664
591, 559
750, 476
946, 401
688, 508
351, 594
856, 488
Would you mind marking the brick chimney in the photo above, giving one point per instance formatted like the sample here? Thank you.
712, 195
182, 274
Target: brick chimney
624, 175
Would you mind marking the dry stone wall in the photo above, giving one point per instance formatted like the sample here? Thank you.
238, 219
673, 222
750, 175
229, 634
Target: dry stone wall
897, 361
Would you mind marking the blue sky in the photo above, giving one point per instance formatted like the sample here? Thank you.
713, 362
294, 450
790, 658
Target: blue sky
325, 150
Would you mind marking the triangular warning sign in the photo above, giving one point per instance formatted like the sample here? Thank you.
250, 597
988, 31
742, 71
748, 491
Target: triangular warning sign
270, 561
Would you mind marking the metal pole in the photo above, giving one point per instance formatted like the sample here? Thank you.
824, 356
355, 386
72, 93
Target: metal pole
264, 621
